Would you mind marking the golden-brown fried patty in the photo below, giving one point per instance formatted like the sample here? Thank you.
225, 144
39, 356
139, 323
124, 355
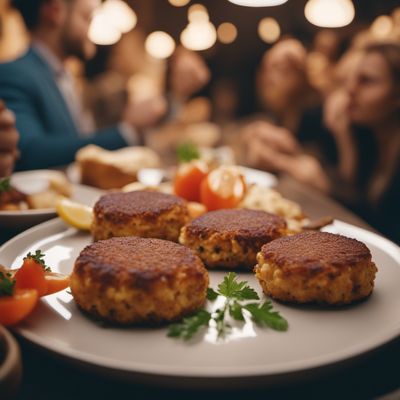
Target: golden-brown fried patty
231, 238
139, 213
316, 267
136, 280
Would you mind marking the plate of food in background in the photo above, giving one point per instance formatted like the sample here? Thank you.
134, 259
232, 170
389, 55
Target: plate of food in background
106, 169
28, 198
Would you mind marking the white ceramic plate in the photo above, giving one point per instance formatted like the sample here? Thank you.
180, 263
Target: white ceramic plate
317, 336
154, 176
36, 181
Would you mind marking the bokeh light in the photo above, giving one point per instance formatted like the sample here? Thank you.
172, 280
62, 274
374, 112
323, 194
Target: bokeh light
179, 3
227, 33
101, 32
382, 26
329, 13
199, 35
197, 13
269, 30
120, 14
159, 44
258, 3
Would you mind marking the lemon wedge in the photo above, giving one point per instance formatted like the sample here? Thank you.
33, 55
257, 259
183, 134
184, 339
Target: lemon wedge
75, 214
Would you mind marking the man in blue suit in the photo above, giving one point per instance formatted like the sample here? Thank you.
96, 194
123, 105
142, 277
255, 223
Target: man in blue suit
40, 92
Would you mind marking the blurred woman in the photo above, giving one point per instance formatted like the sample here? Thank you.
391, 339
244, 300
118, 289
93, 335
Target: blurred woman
360, 142
282, 83
370, 129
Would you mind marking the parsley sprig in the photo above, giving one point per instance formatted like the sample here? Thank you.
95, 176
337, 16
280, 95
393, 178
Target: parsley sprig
5, 185
38, 257
7, 284
234, 293
187, 152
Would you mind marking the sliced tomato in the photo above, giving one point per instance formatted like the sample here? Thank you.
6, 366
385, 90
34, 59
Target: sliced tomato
31, 276
188, 180
223, 188
56, 282
15, 308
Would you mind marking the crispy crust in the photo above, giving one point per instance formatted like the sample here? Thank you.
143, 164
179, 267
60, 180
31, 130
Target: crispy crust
231, 238
135, 280
309, 253
139, 213
316, 267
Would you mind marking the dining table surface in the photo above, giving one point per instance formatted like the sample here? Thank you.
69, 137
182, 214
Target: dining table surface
375, 374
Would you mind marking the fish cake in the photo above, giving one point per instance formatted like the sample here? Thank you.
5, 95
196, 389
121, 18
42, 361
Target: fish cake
232, 238
316, 267
134, 280
139, 213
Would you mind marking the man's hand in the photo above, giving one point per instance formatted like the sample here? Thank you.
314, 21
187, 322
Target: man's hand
189, 73
141, 114
336, 113
262, 140
8, 141
272, 148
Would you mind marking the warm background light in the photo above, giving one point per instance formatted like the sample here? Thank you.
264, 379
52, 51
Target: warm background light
103, 32
159, 44
269, 30
120, 14
110, 20
258, 3
227, 33
179, 3
197, 13
199, 35
382, 26
329, 13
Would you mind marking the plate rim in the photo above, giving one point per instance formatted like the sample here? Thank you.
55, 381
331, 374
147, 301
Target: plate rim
56, 226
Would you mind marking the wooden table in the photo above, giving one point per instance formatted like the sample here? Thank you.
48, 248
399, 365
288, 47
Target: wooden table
372, 375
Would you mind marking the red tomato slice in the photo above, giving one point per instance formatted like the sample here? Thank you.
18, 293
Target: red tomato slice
188, 180
16, 307
56, 282
31, 276
223, 188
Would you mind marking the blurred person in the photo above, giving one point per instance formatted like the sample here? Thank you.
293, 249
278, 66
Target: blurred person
8, 141
180, 77
283, 85
321, 60
40, 92
225, 99
188, 74
13, 35
363, 126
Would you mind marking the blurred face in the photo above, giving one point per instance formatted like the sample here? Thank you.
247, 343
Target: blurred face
282, 74
372, 97
74, 35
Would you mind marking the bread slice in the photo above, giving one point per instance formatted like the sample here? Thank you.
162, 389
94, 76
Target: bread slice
113, 169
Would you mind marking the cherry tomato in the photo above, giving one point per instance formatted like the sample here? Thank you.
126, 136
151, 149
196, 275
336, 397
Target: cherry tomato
188, 180
223, 188
31, 276
16, 307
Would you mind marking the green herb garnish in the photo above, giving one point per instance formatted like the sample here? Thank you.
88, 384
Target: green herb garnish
235, 293
187, 152
5, 185
38, 257
7, 284
189, 325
